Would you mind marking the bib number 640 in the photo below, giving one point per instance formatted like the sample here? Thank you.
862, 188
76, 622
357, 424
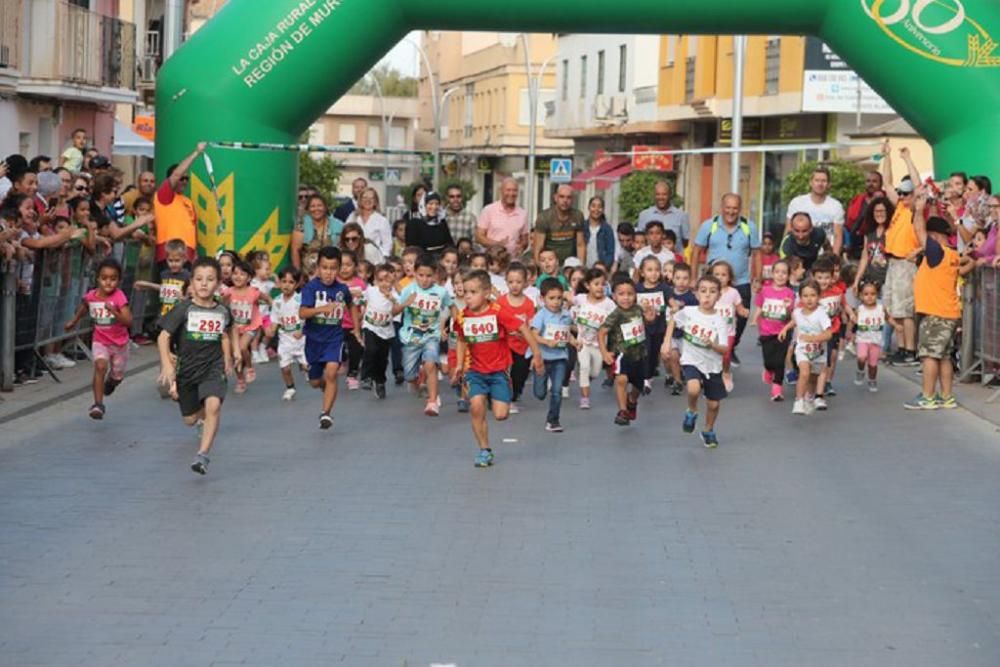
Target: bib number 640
916, 11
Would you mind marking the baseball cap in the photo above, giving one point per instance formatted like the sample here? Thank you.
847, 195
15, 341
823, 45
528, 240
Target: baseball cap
938, 225
572, 263
905, 186
99, 162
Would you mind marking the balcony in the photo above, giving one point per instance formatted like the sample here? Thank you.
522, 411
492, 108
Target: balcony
79, 54
11, 29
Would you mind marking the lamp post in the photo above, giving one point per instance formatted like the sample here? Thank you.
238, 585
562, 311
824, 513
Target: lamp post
739, 56
437, 134
386, 128
435, 109
534, 85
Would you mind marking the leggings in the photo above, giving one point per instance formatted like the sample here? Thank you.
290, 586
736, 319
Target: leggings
570, 365
590, 364
396, 351
376, 357
520, 368
654, 341
774, 352
354, 352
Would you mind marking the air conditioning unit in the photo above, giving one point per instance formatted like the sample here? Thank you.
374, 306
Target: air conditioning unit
619, 106
602, 107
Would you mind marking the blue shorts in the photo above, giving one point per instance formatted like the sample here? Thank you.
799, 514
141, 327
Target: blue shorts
418, 352
711, 385
495, 386
319, 354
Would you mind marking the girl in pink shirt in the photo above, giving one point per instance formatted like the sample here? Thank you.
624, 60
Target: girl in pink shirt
111, 318
775, 302
729, 305
356, 284
243, 301
768, 257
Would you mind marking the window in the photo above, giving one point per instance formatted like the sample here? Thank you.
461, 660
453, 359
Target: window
397, 137
583, 76
373, 135
347, 134
469, 89
671, 49
565, 80
622, 67
600, 72
689, 79
772, 65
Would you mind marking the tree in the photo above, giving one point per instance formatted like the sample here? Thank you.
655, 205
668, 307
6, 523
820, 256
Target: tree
393, 82
322, 174
847, 179
637, 193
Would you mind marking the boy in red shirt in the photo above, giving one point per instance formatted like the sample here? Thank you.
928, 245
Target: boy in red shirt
833, 301
483, 357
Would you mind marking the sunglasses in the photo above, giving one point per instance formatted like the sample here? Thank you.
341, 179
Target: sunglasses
352, 239
81, 188
903, 194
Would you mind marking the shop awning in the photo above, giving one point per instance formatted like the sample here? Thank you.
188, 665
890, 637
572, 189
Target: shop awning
609, 178
580, 181
127, 142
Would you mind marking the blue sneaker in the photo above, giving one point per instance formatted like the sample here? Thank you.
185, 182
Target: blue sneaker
463, 405
949, 403
690, 419
830, 391
792, 376
709, 440
921, 402
485, 458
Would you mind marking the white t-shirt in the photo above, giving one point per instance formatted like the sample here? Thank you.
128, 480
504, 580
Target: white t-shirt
499, 283
700, 331
532, 293
664, 256
378, 313
286, 316
871, 324
810, 324
825, 215
590, 316
377, 229
265, 287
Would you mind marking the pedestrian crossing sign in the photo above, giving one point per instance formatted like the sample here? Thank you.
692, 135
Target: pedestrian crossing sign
561, 170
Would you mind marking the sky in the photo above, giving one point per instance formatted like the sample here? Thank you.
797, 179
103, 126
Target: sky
404, 57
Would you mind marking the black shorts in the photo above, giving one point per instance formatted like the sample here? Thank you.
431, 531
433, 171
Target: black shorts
711, 385
635, 371
831, 347
192, 396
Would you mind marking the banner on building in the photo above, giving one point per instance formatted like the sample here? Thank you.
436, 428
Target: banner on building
831, 86
145, 127
642, 160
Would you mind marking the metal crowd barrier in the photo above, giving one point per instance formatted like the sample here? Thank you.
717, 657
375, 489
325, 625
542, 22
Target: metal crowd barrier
989, 325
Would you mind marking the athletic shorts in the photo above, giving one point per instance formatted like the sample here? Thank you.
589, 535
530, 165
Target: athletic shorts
115, 355
711, 384
869, 353
292, 352
495, 386
191, 396
318, 355
634, 370
897, 293
418, 352
936, 337
815, 365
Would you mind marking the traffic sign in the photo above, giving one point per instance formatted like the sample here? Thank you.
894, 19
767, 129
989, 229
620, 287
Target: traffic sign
561, 170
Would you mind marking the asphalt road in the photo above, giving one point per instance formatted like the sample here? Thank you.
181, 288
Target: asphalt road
863, 536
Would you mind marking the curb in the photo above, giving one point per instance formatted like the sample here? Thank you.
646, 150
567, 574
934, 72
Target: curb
981, 411
68, 394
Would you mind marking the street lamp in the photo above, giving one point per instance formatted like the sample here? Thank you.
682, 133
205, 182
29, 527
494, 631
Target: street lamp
435, 108
534, 85
437, 134
386, 129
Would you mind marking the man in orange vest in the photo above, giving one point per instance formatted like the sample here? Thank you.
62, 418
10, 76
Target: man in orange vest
935, 293
175, 216
902, 250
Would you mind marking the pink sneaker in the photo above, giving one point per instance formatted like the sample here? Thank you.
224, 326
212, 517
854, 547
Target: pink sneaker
431, 409
766, 376
776, 394
353, 384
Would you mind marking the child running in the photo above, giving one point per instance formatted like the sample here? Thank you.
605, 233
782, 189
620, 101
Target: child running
263, 280
551, 326
622, 338
173, 279
870, 318
590, 310
831, 301
516, 303
324, 303
703, 346
729, 305
812, 331
198, 329
380, 300
483, 357
243, 300
652, 292
424, 305
111, 318
775, 302
681, 296
291, 340
348, 275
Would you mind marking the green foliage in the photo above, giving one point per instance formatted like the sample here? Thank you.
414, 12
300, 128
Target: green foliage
391, 80
322, 174
846, 180
637, 193
468, 189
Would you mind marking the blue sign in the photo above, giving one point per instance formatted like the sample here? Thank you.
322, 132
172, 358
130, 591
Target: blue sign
561, 170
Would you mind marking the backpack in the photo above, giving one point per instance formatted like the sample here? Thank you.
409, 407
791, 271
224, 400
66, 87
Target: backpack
744, 226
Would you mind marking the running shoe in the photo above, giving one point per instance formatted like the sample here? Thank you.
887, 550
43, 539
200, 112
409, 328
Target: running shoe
251, 374
810, 404
776, 394
65, 361
514, 410
632, 410
734, 361
398, 375
829, 390
647, 388
110, 384
584, 402
911, 359
565, 392
873, 386
820, 403
380, 390
622, 418
200, 464
289, 394
897, 358
791, 376
463, 405
431, 409
841, 355
353, 384
921, 402
366, 384
553, 427
799, 407
676, 389
767, 377
485, 458
859, 377
709, 440
669, 382
325, 421
608, 382
690, 419
97, 411
949, 403
241, 386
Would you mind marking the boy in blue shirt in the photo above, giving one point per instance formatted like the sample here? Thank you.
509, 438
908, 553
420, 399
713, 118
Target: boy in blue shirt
551, 324
423, 303
324, 304
681, 296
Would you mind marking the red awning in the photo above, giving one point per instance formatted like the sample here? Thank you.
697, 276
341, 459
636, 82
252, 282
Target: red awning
607, 179
580, 180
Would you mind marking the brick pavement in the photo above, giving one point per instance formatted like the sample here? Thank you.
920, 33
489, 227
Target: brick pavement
864, 536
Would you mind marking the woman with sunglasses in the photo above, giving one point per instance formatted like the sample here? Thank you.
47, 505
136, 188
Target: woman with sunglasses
318, 229
353, 239
373, 223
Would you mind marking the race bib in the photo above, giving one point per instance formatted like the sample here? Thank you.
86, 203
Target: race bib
170, 292
775, 309
592, 319
812, 351
424, 311
767, 271
871, 323
831, 305
242, 312
483, 329
99, 313
700, 336
205, 325
290, 323
727, 312
654, 300
633, 333
559, 333
378, 318
328, 319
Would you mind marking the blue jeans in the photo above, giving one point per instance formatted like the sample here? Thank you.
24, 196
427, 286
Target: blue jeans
555, 371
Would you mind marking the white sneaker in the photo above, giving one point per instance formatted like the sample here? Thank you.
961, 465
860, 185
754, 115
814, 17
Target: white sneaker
820, 403
66, 361
799, 408
565, 392
262, 355
53, 362
514, 409
289, 394
810, 405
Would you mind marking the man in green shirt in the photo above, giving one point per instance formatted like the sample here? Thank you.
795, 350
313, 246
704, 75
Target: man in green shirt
560, 228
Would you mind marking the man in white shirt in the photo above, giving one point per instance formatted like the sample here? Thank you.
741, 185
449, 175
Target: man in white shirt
825, 212
670, 216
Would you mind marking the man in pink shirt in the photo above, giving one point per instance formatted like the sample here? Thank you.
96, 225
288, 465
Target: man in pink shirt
504, 223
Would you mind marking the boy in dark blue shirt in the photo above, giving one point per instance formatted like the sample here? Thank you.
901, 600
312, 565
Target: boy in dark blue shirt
324, 304
681, 295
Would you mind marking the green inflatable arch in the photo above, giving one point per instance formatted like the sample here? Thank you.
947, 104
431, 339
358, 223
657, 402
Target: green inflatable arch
264, 70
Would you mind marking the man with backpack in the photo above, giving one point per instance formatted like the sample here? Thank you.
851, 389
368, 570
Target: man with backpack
731, 238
